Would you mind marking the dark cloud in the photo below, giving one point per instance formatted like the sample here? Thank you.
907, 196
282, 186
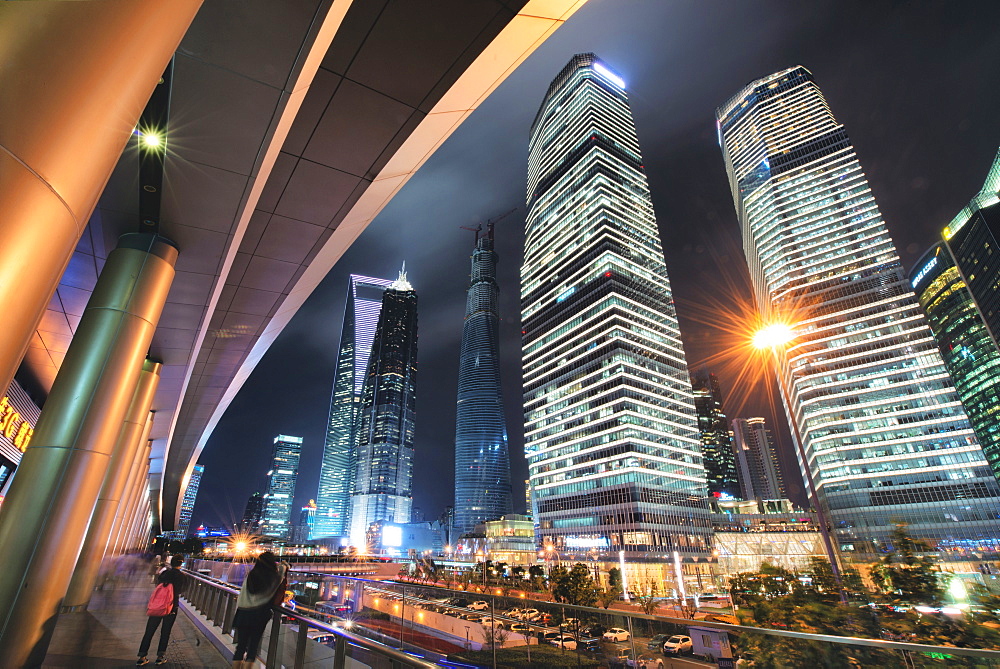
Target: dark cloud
916, 85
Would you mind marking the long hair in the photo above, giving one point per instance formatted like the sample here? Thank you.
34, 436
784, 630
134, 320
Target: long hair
264, 575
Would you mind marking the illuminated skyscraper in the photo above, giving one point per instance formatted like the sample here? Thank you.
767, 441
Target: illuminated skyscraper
281, 487
971, 238
760, 476
716, 440
188, 500
383, 479
610, 433
482, 463
333, 497
253, 514
885, 435
957, 315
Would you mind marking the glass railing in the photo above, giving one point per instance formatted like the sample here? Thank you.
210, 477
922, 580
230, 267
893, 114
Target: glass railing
295, 640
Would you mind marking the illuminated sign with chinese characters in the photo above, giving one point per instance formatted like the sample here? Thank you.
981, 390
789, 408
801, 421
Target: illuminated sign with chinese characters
14, 426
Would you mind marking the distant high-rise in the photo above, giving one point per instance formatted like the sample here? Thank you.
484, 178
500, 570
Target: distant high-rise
760, 476
482, 463
333, 497
610, 434
188, 500
716, 443
253, 514
382, 488
281, 487
885, 435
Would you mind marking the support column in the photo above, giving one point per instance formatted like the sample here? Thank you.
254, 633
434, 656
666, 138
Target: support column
52, 497
95, 546
129, 495
98, 62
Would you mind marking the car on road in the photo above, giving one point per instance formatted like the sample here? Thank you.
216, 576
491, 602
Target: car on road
512, 613
320, 636
570, 624
530, 614
567, 641
479, 605
548, 635
616, 635
656, 643
521, 628
678, 645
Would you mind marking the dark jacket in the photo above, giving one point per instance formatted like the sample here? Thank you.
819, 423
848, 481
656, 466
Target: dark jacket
176, 578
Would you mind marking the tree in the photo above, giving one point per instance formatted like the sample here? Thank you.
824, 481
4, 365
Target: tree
573, 586
906, 573
615, 579
495, 635
537, 575
606, 597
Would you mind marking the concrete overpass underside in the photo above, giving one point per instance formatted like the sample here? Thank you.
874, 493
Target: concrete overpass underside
291, 125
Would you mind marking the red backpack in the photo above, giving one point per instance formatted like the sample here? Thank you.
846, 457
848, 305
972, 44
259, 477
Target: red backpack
161, 602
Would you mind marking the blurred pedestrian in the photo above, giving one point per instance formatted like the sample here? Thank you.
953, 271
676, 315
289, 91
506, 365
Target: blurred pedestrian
257, 598
170, 576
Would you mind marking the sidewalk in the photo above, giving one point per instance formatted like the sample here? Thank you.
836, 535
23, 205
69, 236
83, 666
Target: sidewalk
108, 634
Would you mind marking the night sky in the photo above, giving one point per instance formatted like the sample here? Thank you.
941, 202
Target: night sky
917, 85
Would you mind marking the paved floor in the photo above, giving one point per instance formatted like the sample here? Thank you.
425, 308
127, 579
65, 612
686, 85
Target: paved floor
108, 633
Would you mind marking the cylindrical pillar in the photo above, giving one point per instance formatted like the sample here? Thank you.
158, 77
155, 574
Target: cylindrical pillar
52, 497
75, 79
95, 545
128, 495
138, 507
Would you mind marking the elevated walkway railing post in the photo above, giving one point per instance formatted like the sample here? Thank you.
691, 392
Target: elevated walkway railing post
217, 602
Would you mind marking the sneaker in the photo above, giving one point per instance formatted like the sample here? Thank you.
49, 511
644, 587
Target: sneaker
160, 660
141, 661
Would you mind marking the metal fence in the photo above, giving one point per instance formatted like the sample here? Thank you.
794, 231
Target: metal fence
288, 642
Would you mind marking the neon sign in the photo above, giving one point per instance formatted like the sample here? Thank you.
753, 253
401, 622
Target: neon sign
924, 270
13, 426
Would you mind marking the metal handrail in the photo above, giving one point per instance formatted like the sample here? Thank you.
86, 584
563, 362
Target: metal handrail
273, 660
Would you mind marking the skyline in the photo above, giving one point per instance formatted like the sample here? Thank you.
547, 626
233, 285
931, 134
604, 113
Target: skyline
462, 185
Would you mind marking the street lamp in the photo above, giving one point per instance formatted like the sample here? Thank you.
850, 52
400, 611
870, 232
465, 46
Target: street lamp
776, 337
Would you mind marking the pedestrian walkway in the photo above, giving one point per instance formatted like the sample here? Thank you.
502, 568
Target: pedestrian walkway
108, 633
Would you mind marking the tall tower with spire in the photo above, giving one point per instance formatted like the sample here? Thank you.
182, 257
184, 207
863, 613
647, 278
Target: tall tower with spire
383, 465
482, 463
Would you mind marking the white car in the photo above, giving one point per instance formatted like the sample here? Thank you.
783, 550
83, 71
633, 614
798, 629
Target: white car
616, 635
530, 614
512, 613
570, 623
677, 645
564, 641
479, 606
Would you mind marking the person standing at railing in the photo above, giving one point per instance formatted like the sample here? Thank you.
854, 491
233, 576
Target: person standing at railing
259, 594
177, 580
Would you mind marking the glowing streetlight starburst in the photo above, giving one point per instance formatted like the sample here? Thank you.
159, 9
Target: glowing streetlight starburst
773, 336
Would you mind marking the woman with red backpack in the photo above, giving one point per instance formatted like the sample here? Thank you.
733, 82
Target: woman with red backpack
162, 608
263, 589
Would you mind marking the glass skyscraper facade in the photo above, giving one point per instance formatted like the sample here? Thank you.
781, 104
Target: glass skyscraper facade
482, 463
281, 479
716, 440
971, 238
383, 478
188, 500
333, 496
969, 352
760, 475
610, 433
884, 433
